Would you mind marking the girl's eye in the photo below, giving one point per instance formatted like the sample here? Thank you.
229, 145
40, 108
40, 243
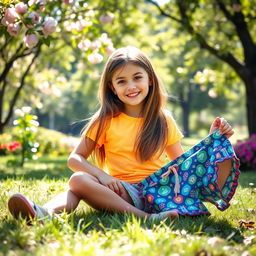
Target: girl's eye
120, 82
138, 77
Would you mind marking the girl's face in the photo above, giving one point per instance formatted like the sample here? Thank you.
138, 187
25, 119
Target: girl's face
131, 85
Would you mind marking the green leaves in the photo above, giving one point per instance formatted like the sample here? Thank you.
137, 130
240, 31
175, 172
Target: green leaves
26, 125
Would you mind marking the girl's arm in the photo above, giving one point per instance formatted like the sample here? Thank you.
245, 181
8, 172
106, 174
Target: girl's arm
174, 150
77, 161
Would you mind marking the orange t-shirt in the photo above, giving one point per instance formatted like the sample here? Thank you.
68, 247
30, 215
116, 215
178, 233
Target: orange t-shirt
119, 138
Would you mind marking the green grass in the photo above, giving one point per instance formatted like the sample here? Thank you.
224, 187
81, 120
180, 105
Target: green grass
88, 232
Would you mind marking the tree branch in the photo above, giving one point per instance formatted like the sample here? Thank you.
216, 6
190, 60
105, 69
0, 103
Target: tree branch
238, 20
22, 83
226, 57
162, 12
2, 99
9, 64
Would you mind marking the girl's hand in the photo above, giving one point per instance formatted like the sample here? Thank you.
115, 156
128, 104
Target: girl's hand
112, 183
223, 126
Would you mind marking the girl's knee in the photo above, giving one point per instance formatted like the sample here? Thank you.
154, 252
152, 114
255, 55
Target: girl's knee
76, 179
80, 180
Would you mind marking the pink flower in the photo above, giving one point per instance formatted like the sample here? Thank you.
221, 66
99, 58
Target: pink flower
106, 18
49, 26
13, 29
95, 45
31, 40
68, 2
10, 16
4, 21
95, 58
80, 25
110, 49
21, 8
35, 18
84, 44
39, 3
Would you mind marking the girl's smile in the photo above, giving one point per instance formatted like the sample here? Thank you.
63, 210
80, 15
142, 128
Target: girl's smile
131, 85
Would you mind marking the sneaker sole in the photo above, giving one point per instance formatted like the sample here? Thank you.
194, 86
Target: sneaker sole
20, 207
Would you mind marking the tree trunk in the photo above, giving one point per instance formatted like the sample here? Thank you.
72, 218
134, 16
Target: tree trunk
185, 118
1, 128
185, 103
250, 85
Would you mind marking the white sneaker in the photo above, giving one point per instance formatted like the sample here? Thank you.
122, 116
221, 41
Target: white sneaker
20, 206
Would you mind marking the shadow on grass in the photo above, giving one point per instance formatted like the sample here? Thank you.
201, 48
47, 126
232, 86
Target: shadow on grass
203, 225
246, 178
38, 174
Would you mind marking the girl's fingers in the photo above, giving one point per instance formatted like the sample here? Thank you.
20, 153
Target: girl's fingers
110, 186
116, 188
121, 188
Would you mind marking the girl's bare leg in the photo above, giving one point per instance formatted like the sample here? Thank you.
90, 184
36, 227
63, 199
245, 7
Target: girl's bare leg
224, 171
88, 188
67, 201
85, 187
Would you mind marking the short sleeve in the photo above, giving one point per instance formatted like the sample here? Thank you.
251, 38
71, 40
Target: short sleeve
92, 132
174, 132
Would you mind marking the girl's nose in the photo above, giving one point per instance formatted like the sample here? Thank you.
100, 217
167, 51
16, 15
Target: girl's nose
131, 84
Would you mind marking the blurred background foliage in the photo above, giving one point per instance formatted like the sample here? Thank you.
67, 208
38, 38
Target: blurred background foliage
61, 85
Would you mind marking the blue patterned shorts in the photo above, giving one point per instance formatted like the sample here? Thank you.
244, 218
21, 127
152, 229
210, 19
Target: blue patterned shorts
197, 175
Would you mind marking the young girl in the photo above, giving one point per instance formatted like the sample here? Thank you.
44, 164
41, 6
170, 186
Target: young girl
128, 139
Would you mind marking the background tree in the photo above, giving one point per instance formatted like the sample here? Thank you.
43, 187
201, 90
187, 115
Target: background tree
28, 26
225, 28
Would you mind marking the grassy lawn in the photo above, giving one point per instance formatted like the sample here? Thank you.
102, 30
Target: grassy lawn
88, 232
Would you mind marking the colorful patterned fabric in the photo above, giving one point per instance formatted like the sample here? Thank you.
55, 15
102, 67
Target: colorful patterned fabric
197, 174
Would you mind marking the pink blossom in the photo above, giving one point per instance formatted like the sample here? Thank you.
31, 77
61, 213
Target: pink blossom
13, 29
95, 58
84, 44
68, 2
21, 8
39, 3
110, 49
80, 25
49, 26
35, 17
10, 16
31, 40
4, 21
106, 18
104, 39
95, 45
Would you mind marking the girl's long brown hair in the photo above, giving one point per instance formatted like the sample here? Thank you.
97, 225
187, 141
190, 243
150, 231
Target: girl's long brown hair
152, 137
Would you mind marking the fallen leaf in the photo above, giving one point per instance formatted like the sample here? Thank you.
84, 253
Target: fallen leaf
249, 240
246, 224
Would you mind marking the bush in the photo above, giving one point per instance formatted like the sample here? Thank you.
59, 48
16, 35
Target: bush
54, 142
50, 142
246, 152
